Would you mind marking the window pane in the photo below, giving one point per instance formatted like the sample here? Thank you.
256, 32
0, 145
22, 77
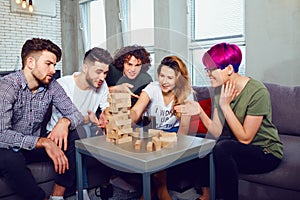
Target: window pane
219, 19
97, 24
141, 22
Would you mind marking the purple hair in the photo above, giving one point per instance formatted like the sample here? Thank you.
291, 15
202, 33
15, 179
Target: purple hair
221, 55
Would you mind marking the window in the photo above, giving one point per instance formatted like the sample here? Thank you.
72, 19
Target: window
218, 19
138, 26
97, 24
212, 22
141, 22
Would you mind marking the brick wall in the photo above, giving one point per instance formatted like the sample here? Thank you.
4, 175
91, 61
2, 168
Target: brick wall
16, 28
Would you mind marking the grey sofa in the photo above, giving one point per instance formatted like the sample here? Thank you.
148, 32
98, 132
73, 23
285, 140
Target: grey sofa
44, 174
283, 182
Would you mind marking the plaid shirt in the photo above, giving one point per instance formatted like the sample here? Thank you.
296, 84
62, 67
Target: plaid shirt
22, 112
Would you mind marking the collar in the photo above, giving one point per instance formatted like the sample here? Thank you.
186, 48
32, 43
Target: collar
20, 77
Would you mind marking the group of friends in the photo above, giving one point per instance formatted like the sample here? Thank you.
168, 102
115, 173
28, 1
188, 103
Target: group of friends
241, 120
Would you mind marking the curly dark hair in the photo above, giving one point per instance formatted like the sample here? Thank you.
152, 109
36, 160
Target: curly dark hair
36, 45
125, 53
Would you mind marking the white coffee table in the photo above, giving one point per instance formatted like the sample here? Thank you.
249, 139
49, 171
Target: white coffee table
124, 157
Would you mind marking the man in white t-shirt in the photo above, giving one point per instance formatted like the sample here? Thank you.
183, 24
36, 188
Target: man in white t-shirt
88, 91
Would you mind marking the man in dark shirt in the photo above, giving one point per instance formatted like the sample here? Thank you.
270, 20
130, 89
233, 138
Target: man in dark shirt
128, 72
25, 96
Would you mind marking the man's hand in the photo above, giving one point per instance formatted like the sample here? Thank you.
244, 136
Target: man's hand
93, 118
58, 157
59, 133
100, 123
125, 87
103, 120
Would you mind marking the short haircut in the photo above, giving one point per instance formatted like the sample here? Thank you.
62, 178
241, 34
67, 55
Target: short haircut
97, 54
221, 55
37, 45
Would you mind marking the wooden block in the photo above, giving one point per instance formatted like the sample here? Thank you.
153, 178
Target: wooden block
124, 140
123, 122
119, 105
120, 116
149, 146
157, 143
125, 130
138, 144
135, 134
168, 134
168, 142
121, 100
113, 136
110, 140
168, 139
120, 95
125, 126
155, 132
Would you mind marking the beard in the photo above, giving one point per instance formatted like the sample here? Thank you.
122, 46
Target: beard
40, 78
92, 83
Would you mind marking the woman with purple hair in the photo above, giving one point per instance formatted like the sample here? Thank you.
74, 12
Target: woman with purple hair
242, 109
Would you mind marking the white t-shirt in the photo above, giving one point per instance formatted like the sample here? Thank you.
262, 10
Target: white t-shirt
157, 108
83, 99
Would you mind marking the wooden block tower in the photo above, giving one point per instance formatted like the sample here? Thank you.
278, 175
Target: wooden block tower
119, 122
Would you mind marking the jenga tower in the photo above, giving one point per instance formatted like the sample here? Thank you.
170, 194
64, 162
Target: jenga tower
119, 122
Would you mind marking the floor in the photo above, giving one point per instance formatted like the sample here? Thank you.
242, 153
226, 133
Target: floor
119, 194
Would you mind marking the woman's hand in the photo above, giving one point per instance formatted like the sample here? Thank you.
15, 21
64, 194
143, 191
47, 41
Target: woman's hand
228, 93
189, 108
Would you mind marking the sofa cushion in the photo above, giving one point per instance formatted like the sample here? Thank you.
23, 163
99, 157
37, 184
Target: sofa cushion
196, 125
43, 172
286, 175
285, 108
202, 92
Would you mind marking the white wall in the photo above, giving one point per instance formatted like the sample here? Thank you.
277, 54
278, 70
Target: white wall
16, 28
273, 41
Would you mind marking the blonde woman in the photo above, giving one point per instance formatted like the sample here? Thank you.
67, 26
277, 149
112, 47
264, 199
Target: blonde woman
158, 99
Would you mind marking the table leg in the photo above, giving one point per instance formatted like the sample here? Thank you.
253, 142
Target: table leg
146, 186
212, 177
79, 175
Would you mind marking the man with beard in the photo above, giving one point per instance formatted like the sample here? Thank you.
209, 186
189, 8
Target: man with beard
88, 91
25, 96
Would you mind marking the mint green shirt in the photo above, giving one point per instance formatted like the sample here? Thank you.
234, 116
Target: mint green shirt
255, 100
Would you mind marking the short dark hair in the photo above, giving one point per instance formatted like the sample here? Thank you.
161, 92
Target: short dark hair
221, 55
139, 52
97, 54
35, 45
